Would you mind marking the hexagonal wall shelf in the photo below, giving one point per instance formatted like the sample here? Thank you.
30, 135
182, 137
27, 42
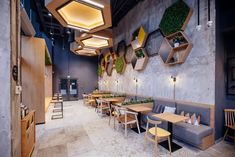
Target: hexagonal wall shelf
121, 48
129, 54
175, 48
153, 43
175, 18
120, 65
140, 60
138, 38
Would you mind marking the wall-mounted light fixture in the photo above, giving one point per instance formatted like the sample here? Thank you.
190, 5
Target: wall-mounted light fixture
173, 78
136, 87
199, 26
209, 22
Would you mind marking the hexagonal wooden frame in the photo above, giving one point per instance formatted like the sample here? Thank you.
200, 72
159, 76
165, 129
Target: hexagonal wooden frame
139, 38
140, 63
129, 54
171, 55
121, 48
124, 65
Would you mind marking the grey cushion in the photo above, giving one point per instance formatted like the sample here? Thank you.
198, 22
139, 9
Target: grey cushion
203, 112
191, 133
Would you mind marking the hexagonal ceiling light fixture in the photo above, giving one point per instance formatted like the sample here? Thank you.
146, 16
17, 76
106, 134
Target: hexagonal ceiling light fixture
85, 15
98, 40
87, 51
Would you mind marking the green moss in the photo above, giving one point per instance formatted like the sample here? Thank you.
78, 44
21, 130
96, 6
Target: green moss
47, 58
100, 71
139, 53
174, 18
119, 64
138, 102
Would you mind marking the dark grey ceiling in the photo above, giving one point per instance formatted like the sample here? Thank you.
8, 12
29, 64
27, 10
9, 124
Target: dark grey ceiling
119, 8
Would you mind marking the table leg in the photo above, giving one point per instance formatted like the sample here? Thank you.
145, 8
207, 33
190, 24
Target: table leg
174, 146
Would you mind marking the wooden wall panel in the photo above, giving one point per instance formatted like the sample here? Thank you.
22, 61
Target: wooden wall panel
33, 75
48, 86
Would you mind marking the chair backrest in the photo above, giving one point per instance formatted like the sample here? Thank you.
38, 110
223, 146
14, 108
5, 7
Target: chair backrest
229, 117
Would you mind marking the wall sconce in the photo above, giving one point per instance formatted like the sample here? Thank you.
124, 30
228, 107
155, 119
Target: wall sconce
173, 78
199, 26
136, 87
209, 22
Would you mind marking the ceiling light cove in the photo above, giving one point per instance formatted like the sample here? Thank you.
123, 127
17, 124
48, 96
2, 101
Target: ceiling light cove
84, 15
95, 42
87, 52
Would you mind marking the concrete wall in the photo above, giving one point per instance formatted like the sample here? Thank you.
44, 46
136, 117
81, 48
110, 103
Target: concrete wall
80, 67
195, 78
10, 134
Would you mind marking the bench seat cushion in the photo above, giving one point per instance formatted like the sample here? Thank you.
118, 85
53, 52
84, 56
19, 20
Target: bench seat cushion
191, 133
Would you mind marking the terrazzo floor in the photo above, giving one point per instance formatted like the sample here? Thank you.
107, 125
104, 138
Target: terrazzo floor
83, 133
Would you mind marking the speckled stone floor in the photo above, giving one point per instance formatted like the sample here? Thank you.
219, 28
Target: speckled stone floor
82, 133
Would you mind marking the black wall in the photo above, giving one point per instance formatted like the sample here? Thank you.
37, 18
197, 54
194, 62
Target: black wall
225, 29
79, 67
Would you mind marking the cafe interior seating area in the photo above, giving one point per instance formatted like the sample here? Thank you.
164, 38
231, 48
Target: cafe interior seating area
117, 78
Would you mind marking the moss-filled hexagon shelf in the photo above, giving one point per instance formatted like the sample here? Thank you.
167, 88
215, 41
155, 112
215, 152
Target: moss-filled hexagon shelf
140, 60
175, 18
120, 65
110, 59
121, 48
100, 71
175, 48
139, 38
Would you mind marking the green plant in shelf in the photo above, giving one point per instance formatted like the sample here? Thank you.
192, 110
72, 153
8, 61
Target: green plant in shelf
132, 102
119, 65
100, 71
140, 54
174, 17
113, 96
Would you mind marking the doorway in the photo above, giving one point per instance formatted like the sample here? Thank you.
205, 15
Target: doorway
69, 89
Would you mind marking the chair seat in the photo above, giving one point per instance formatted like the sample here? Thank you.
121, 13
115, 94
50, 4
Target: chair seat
122, 119
160, 132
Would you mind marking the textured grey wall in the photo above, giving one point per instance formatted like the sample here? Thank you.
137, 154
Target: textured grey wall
5, 54
80, 67
195, 78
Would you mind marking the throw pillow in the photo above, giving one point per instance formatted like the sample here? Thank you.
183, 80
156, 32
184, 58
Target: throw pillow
169, 109
189, 119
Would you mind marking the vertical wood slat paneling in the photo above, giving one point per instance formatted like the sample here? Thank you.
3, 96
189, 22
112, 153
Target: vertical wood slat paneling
33, 75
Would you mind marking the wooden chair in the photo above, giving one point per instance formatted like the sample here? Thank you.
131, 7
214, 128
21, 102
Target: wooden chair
85, 98
229, 121
102, 107
126, 117
155, 134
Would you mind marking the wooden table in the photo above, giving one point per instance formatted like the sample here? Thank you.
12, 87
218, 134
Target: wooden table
139, 108
171, 119
100, 95
113, 99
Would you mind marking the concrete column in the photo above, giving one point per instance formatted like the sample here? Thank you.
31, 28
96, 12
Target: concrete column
10, 135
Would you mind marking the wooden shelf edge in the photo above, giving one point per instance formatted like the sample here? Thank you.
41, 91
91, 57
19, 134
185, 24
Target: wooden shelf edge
26, 24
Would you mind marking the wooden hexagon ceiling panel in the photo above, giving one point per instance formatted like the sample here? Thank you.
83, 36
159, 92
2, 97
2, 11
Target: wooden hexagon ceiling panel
86, 15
